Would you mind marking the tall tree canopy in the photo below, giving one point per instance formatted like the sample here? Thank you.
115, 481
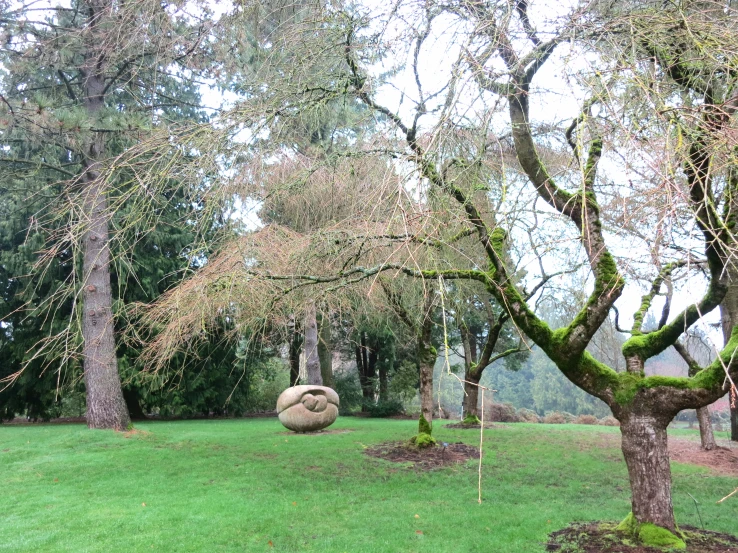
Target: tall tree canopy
81, 83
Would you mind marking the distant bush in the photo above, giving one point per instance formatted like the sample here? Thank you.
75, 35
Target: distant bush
568, 417
347, 387
501, 412
609, 421
386, 408
586, 419
554, 418
528, 415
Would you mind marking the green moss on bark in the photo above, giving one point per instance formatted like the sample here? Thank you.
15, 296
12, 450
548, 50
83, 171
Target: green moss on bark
471, 419
424, 427
649, 534
629, 525
423, 440
655, 536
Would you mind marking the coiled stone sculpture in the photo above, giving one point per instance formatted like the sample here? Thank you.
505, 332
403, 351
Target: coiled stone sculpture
307, 408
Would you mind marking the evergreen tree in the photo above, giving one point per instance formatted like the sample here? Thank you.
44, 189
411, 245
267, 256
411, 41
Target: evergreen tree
81, 84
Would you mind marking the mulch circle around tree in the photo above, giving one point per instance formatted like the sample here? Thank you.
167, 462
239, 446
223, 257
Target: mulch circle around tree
599, 537
323, 432
462, 426
426, 458
721, 459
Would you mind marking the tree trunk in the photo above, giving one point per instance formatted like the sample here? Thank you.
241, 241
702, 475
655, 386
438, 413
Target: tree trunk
729, 319
383, 381
106, 407
295, 345
426, 361
366, 361
325, 350
644, 446
426, 388
310, 346
706, 435
133, 403
471, 396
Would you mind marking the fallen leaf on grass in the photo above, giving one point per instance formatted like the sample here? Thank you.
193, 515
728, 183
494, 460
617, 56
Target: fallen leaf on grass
418, 531
143, 504
270, 543
417, 516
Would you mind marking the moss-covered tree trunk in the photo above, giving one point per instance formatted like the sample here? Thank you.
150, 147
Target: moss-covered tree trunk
426, 359
644, 446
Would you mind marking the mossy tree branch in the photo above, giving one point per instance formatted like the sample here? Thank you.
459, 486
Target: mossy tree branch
647, 300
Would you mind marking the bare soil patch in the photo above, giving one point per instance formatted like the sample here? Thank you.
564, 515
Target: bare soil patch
462, 426
720, 460
317, 432
23, 421
598, 537
428, 458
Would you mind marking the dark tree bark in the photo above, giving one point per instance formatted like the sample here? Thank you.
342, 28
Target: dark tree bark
325, 350
106, 407
426, 359
133, 403
471, 397
729, 319
366, 363
707, 436
312, 360
294, 353
383, 381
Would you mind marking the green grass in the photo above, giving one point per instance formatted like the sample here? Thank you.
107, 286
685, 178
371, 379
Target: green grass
237, 485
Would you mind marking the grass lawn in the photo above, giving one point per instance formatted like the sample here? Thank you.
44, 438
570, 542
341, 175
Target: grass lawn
246, 485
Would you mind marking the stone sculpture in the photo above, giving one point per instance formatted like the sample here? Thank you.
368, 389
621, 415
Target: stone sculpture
307, 408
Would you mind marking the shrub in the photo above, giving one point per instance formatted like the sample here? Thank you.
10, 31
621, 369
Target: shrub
568, 417
347, 387
554, 418
501, 412
527, 415
609, 421
386, 408
586, 419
